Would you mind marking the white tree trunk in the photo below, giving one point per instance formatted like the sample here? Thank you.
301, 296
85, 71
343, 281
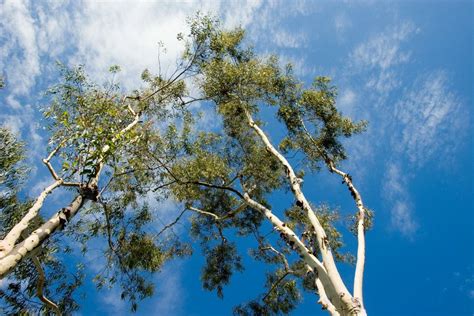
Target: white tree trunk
343, 300
7, 244
35, 239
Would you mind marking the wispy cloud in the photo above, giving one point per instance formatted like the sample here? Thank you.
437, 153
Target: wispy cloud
432, 119
346, 101
395, 188
170, 293
19, 57
380, 55
285, 39
413, 119
342, 23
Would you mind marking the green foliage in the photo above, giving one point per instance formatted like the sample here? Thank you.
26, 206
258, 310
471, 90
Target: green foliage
12, 170
368, 221
281, 298
221, 260
11, 155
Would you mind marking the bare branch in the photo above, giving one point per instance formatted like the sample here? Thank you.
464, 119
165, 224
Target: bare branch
47, 160
40, 287
7, 244
360, 263
274, 285
195, 209
359, 272
323, 298
168, 226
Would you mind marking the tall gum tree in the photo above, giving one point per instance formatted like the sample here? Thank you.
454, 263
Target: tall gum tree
96, 137
228, 176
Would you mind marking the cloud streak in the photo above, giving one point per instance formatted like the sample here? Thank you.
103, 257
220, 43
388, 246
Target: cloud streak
413, 125
395, 190
380, 56
432, 118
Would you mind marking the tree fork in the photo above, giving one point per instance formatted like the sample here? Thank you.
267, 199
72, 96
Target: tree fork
348, 304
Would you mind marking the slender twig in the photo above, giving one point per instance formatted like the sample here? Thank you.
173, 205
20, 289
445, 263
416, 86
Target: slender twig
40, 287
274, 285
195, 209
172, 223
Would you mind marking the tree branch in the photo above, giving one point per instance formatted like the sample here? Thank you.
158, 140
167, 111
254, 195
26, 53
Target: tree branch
328, 259
195, 209
359, 272
274, 285
7, 244
360, 263
37, 237
172, 223
40, 287
323, 298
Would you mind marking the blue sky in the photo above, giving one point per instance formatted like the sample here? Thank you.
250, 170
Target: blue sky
404, 66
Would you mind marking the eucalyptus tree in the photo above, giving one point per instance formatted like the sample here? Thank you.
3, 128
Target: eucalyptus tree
96, 137
227, 177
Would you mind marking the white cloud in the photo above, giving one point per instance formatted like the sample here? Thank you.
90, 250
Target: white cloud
346, 101
286, 39
13, 103
432, 120
113, 303
170, 292
397, 195
13, 122
412, 125
342, 22
380, 55
239, 13
19, 59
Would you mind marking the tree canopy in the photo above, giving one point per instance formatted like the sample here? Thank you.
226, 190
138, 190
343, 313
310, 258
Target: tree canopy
112, 151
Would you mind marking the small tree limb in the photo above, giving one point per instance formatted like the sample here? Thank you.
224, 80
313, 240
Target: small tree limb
40, 286
7, 244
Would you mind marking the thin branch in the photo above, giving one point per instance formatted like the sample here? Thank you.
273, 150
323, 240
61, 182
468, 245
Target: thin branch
171, 224
108, 227
71, 184
195, 209
230, 214
47, 160
40, 287
274, 285
55, 150
282, 256
360, 263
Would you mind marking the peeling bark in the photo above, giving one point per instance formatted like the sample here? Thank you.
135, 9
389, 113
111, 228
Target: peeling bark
7, 244
15, 253
37, 237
